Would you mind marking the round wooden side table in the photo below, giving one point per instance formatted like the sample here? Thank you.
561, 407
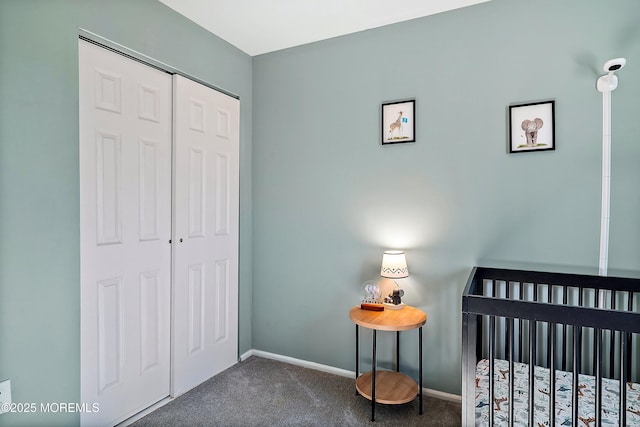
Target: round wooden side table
382, 386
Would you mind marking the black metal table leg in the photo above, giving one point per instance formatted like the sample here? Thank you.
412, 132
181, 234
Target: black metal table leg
398, 351
420, 365
373, 379
357, 356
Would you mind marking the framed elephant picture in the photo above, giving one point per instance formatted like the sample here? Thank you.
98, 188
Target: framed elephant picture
532, 127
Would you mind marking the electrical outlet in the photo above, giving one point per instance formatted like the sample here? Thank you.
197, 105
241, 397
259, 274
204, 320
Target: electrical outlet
5, 396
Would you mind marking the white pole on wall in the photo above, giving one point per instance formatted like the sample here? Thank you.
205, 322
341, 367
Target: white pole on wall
606, 84
606, 182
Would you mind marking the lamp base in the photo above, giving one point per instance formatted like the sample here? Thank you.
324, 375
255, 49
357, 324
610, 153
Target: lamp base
389, 306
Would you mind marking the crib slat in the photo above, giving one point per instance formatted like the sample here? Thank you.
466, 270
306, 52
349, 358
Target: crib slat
594, 363
509, 343
492, 350
634, 357
612, 340
629, 338
532, 365
598, 374
552, 375
495, 294
511, 371
520, 322
549, 327
480, 348
564, 332
596, 304
623, 378
577, 332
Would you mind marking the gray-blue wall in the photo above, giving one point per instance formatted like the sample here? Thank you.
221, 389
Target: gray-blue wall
328, 198
39, 193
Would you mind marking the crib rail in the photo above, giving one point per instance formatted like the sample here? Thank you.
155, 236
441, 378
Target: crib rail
562, 279
554, 313
550, 319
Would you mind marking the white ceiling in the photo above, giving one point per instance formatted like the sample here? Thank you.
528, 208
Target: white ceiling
261, 26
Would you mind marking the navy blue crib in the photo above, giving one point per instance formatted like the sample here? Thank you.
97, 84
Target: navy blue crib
524, 336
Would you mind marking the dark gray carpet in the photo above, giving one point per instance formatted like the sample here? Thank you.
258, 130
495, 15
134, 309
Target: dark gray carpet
264, 392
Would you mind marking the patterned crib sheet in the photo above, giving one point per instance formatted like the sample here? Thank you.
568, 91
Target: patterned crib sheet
564, 385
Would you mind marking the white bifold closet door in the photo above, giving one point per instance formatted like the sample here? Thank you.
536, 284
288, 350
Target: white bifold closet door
159, 233
206, 136
125, 218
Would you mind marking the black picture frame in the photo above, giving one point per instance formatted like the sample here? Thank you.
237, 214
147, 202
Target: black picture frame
532, 127
398, 122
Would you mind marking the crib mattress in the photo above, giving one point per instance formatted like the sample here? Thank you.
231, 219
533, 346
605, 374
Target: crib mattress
564, 386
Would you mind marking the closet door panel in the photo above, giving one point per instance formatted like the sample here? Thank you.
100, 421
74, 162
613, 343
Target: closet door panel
206, 194
125, 220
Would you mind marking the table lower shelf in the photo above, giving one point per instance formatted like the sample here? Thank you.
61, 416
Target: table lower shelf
392, 388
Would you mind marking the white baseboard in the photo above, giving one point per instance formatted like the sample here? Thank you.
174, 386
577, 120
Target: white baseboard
337, 371
437, 394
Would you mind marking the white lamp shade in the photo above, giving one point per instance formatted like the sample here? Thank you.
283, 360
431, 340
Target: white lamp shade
394, 265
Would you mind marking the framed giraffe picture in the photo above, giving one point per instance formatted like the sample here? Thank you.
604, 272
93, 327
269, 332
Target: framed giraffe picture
398, 122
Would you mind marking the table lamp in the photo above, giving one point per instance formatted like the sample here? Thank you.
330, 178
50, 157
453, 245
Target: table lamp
394, 266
